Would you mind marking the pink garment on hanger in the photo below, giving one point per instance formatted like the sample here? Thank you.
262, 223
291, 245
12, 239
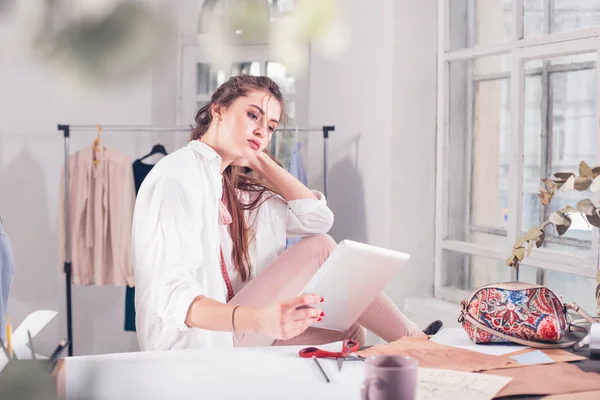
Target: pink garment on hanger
102, 198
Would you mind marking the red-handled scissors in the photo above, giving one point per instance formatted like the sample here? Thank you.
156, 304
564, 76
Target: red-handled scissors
349, 346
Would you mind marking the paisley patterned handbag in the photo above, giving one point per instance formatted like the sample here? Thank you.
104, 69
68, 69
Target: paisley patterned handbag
523, 313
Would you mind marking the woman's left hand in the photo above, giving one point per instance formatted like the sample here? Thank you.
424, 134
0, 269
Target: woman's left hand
280, 180
253, 159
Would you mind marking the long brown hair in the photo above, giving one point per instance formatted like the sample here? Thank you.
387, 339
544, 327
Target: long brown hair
234, 179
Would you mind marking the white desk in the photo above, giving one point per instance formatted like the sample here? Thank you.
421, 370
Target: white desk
247, 373
244, 373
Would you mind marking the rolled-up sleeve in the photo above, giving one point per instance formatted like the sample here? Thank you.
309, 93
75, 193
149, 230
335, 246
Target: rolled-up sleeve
308, 216
168, 250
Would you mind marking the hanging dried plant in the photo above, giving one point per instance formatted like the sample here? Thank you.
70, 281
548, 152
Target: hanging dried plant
587, 179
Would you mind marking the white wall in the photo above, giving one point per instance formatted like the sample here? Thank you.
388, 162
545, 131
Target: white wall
381, 97
354, 93
414, 144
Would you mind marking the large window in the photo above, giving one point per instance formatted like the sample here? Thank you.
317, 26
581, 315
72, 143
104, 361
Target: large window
518, 101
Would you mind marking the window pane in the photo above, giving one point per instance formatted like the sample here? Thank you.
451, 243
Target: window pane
489, 176
477, 22
560, 141
533, 17
478, 151
528, 274
572, 288
570, 15
208, 78
469, 272
279, 7
283, 143
555, 16
282, 146
532, 150
278, 72
290, 109
250, 68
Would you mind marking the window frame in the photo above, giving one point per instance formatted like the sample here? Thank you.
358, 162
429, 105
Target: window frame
521, 50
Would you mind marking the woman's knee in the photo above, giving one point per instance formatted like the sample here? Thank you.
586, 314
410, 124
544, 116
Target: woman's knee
358, 333
323, 242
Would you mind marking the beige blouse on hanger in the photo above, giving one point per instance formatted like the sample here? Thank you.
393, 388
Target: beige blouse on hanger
102, 197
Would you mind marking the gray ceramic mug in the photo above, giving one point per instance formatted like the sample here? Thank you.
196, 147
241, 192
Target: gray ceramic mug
390, 378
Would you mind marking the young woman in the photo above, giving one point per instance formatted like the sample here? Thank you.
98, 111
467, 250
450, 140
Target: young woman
209, 243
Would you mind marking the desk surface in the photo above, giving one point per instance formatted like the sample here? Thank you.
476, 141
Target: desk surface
585, 365
244, 373
232, 374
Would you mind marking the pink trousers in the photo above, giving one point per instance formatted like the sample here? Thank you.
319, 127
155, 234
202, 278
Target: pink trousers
286, 277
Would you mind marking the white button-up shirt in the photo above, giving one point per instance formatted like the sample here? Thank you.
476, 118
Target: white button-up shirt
176, 239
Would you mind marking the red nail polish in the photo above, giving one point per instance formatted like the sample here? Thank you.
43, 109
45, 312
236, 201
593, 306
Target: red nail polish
319, 320
322, 313
322, 299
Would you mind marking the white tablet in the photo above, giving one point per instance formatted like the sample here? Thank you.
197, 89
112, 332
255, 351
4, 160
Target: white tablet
350, 279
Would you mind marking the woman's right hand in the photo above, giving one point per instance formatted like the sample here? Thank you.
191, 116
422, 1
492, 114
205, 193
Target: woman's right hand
286, 319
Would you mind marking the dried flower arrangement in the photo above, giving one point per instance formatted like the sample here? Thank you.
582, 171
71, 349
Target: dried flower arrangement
587, 179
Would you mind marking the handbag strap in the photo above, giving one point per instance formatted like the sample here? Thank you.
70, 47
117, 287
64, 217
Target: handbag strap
576, 344
581, 311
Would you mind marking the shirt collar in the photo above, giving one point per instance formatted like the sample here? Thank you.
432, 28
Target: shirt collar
205, 150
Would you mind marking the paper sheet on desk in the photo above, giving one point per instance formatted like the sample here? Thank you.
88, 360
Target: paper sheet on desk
439, 383
450, 385
532, 357
547, 379
457, 337
556, 355
434, 355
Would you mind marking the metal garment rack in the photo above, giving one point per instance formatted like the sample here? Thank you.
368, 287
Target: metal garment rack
67, 129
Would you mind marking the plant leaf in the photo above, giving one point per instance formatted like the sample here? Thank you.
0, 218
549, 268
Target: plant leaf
585, 170
533, 234
569, 184
586, 206
582, 183
529, 247
561, 229
519, 243
519, 253
569, 209
595, 186
540, 240
560, 221
558, 218
548, 182
594, 219
512, 262
545, 197
563, 176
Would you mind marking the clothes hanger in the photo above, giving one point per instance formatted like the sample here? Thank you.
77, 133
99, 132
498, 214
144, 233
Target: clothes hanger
157, 149
97, 144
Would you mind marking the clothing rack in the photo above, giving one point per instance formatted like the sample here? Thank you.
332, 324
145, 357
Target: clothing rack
67, 129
